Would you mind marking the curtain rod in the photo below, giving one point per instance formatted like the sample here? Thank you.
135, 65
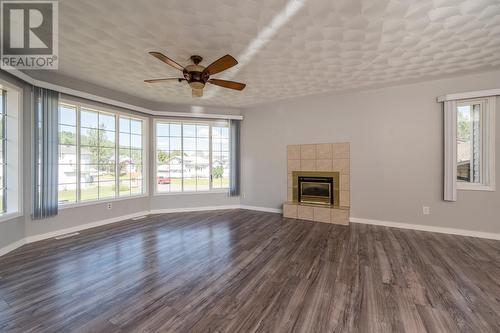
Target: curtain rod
77, 93
468, 95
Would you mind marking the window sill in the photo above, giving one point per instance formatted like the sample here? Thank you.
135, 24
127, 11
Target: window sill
222, 191
9, 216
99, 202
475, 187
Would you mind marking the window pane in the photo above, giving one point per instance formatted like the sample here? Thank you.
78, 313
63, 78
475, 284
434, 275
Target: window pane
175, 184
224, 132
67, 115
202, 131
67, 154
136, 127
189, 184
124, 155
162, 143
175, 144
163, 178
189, 144
202, 144
216, 132
67, 174
106, 138
67, 135
136, 141
88, 119
67, 193
468, 143
89, 173
202, 184
107, 189
135, 172
136, 187
107, 172
162, 129
124, 125
175, 130
189, 165
89, 155
124, 140
88, 191
106, 155
189, 131
125, 188
136, 156
89, 137
106, 122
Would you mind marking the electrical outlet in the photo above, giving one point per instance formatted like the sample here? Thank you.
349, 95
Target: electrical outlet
426, 210
110, 205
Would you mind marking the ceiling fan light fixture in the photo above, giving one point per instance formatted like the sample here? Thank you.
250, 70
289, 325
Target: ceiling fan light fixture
197, 85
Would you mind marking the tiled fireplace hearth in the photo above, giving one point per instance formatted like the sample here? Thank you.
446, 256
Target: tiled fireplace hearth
318, 182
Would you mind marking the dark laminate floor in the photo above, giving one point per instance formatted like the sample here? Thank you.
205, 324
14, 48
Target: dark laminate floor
245, 271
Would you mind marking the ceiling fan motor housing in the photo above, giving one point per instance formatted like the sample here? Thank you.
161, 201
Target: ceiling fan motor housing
195, 76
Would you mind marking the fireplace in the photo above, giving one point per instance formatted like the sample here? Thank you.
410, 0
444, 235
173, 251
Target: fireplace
315, 190
316, 187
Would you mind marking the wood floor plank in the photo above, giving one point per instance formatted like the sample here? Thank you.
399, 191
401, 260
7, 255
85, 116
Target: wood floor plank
248, 271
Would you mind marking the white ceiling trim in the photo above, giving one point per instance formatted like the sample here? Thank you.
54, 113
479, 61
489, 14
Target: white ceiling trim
468, 95
77, 93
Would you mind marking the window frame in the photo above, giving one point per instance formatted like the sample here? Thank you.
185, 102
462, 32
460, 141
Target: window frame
3, 153
487, 139
13, 120
145, 150
211, 123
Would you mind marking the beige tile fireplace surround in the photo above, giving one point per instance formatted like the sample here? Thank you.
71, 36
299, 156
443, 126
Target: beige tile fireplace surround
325, 157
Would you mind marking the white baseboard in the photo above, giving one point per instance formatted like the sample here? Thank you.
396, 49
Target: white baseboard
36, 238
52, 234
442, 230
12, 247
262, 209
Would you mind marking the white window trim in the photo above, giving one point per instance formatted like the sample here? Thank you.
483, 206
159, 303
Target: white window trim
211, 190
14, 122
488, 170
145, 151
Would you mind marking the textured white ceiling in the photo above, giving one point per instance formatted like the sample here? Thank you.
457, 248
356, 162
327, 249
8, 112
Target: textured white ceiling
305, 46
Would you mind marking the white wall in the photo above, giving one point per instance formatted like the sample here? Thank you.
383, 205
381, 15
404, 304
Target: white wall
396, 152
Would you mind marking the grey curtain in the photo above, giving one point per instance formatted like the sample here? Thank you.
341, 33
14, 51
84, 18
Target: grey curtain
234, 181
46, 144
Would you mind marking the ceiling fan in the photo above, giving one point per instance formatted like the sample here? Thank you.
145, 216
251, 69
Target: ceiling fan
197, 76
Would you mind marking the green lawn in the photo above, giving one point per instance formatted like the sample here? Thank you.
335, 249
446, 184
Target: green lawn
92, 192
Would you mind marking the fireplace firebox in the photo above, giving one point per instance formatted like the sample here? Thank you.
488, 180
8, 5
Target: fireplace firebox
316, 187
317, 190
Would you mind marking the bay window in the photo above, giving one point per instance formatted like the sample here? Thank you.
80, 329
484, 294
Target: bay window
191, 156
100, 154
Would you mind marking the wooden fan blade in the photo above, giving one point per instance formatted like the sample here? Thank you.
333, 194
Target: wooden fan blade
228, 84
164, 80
166, 60
220, 65
197, 92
